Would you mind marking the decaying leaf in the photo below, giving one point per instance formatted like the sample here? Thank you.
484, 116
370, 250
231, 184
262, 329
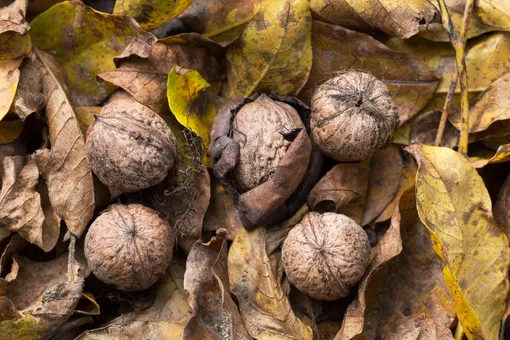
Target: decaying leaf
335, 48
454, 205
29, 97
85, 42
401, 18
264, 306
274, 53
502, 207
206, 281
21, 205
192, 103
342, 190
64, 167
153, 14
423, 129
165, 319
386, 168
12, 17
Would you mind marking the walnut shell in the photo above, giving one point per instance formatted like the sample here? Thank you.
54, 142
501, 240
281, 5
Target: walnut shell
262, 129
130, 147
325, 255
129, 246
353, 115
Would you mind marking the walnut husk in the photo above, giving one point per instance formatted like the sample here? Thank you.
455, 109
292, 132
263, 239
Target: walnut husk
353, 115
325, 255
129, 246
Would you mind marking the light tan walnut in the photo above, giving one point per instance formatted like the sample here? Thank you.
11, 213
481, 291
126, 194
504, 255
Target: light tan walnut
325, 255
353, 115
129, 246
130, 147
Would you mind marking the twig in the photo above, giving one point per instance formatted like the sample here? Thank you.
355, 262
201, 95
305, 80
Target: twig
459, 45
446, 107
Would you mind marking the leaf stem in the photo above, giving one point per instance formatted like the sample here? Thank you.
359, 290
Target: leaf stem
459, 45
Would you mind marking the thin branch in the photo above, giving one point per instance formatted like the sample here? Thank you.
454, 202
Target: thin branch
444, 114
459, 45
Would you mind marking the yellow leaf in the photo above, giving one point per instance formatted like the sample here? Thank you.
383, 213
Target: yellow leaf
484, 157
85, 42
274, 53
192, 104
151, 14
454, 205
265, 308
10, 130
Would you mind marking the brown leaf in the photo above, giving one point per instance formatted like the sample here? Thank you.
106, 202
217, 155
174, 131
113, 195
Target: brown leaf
64, 167
386, 168
16, 244
265, 308
502, 207
22, 208
335, 48
400, 18
29, 97
221, 212
12, 17
206, 282
342, 190
424, 130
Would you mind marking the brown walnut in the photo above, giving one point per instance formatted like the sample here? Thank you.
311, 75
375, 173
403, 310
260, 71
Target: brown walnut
325, 255
129, 246
353, 115
262, 129
130, 147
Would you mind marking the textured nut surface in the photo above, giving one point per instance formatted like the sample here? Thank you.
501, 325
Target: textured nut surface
129, 246
260, 128
353, 115
130, 147
325, 255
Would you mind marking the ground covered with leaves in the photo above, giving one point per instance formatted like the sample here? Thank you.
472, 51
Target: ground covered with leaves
435, 202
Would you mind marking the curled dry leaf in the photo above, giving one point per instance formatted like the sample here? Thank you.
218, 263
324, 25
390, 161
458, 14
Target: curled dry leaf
206, 282
153, 14
85, 42
342, 190
12, 17
165, 319
22, 208
401, 18
222, 21
265, 308
335, 48
386, 168
454, 205
64, 167
274, 52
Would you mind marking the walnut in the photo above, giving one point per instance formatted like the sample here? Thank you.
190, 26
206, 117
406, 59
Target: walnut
353, 115
325, 255
130, 147
129, 246
262, 129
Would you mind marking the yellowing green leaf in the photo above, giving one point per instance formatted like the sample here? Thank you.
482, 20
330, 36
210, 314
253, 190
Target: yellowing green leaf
191, 103
264, 307
151, 14
454, 205
85, 42
274, 52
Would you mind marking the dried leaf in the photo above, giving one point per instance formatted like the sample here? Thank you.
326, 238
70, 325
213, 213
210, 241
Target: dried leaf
21, 206
29, 97
192, 103
401, 18
386, 168
265, 308
502, 208
273, 54
85, 42
64, 167
165, 319
10, 130
423, 129
454, 205
12, 17
206, 282
335, 48
151, 14
481, 159
342, 190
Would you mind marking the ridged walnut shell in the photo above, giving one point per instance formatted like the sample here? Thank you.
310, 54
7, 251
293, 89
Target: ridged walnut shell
353, 115
262, 128
130, 147
129, 246
325, 255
